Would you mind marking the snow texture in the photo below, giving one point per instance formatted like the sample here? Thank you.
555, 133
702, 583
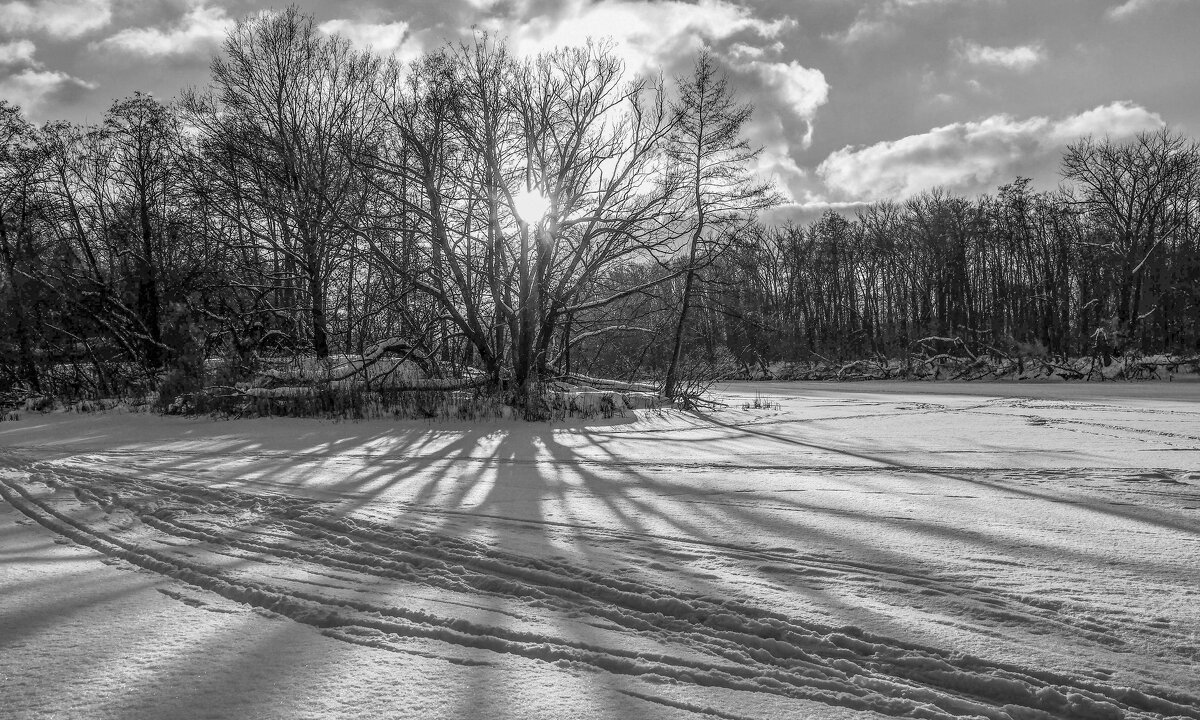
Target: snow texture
934, 551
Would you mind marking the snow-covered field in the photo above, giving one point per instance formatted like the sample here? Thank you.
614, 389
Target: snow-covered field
878, 549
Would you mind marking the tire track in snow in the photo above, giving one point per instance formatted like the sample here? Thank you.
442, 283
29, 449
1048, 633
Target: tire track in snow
970, 597
885, 462
747, 648
986, 603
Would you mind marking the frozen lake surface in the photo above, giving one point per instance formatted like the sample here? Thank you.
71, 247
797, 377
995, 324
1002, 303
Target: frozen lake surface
859, 550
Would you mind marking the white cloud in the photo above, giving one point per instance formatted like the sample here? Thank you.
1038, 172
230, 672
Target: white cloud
776, 163
802, 90
1116, 120
31, 88
863, 28
788, 101
665, 35
384, 38
18, 52
64, 18
744, 51
807, 210
1131, 7
1020, 58
970, 155
648, 34
200, 30
882, 18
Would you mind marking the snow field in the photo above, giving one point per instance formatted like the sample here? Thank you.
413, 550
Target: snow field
880, 550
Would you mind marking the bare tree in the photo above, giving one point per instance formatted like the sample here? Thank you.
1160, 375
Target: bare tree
595, 147
20, 165
143, 141
476, 131
1139, 192
91, 277
288, 111
714, 159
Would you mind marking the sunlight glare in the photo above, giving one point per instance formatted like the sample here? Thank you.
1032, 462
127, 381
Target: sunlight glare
530, 205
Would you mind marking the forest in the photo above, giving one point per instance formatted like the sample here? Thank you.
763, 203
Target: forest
504, 222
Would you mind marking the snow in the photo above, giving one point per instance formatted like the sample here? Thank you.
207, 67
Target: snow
928, 550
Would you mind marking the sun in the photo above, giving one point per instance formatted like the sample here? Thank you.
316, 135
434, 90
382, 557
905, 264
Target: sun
530, 205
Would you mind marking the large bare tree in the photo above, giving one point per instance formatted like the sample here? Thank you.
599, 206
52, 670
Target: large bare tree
288, 111
475, 135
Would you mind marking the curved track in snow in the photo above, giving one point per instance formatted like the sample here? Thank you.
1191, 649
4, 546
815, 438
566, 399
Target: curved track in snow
623, 556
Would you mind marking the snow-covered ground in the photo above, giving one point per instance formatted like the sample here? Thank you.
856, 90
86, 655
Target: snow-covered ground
878, 549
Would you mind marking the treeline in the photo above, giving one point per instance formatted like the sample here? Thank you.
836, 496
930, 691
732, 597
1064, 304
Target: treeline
513, 220
1108, 264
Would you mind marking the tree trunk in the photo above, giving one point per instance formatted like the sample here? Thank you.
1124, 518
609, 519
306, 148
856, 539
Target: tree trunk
316, 291
526, 324
672, 380
147, 300
27, 367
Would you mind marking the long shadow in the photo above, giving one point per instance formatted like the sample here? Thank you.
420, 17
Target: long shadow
524, 490
1111, 511
627, 513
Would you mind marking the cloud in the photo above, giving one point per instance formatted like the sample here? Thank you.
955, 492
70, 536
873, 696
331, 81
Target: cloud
1116, 120
648, 35
199, 31
879, 19
863, 28
1020, 59
970, 155
772, 132
653, 36
18, 52
801, 90
789, 96
807, 211
63, 18
32, 88
1131, 7
384, 38
742, 51
24, 82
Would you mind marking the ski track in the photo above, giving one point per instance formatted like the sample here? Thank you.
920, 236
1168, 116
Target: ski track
384, 584
262, 549
885, 462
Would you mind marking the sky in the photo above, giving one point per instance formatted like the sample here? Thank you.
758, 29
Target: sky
855, 100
